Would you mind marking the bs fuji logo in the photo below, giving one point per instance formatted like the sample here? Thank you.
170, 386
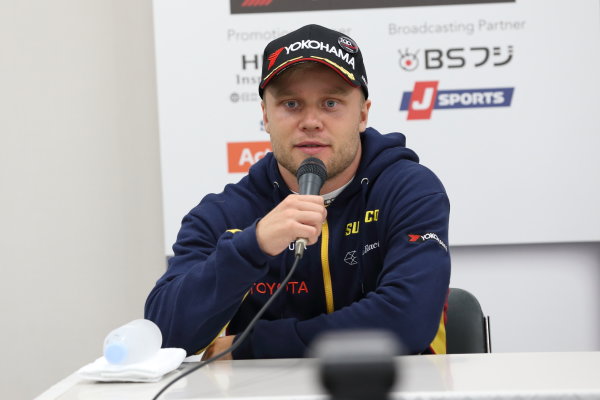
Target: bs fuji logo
348, 44
457, 57
425, 97
408, 60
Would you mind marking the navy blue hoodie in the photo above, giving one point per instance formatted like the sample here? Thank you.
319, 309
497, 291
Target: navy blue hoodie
382, 261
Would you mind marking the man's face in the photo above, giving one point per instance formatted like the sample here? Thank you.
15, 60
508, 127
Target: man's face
310, 111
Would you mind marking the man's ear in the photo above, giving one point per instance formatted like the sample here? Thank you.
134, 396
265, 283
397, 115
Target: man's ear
364, 115
263, 106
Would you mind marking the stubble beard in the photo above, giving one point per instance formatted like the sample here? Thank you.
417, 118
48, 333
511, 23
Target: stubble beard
337, 164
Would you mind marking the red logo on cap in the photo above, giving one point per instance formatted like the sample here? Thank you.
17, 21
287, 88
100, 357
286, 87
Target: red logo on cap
274, 56
256, 3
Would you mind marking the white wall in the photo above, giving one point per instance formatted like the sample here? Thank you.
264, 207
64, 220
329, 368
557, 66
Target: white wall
80, 210
543, 297
549, 141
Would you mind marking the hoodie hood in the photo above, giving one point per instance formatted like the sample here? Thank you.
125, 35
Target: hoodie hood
265, 177
381, 150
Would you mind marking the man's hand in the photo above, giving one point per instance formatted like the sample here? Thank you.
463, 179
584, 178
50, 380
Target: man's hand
219, 345
297, 216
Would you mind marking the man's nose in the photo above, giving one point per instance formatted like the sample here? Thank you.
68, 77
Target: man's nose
311, 120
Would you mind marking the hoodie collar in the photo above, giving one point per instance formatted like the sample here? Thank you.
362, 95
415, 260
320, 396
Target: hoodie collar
378, 152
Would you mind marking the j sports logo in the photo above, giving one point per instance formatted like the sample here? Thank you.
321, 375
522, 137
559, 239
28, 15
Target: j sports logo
242, 155
257, 6
425, 97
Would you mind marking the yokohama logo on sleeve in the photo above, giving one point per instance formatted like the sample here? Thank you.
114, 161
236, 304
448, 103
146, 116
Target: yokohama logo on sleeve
425, 237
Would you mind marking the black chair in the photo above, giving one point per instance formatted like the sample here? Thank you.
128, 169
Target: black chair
467, 328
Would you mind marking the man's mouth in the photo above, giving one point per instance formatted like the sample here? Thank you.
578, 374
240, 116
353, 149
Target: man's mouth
310, 144
311, 148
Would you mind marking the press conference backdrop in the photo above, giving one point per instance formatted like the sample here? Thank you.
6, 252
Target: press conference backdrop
499, 98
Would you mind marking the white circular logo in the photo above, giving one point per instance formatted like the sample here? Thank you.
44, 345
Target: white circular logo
408, 61
348, 44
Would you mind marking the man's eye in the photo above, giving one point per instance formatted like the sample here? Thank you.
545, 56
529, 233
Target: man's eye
291, 104
330, 103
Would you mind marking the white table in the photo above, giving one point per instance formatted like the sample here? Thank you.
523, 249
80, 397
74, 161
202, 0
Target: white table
474, 376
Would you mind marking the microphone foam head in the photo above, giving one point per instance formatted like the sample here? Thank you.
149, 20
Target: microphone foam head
312, 165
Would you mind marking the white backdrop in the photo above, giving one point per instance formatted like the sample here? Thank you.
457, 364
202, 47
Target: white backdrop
521, 171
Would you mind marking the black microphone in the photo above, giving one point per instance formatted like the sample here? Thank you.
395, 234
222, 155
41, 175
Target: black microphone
311, 176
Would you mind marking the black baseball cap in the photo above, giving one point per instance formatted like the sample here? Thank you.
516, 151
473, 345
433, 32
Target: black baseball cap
317, 44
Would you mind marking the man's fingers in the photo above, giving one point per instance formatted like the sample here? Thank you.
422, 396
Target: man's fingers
297, 216
308, 232
220, 345
314, 218
304, 202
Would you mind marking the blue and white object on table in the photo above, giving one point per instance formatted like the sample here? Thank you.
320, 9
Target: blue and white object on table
132, 353
150, 370
133, 342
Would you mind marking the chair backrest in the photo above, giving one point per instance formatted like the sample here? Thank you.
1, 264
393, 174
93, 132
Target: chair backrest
467, 328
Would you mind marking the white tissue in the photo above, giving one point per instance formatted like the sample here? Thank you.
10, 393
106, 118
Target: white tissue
151, 370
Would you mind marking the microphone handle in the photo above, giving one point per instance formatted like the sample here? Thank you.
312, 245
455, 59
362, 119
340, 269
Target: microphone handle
310, 184
300, 246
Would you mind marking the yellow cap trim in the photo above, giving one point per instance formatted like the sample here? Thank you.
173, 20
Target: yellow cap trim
349, 74
281, 65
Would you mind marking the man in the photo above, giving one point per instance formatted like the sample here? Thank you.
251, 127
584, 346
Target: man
377, 255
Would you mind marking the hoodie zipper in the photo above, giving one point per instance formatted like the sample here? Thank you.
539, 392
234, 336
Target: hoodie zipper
325, 267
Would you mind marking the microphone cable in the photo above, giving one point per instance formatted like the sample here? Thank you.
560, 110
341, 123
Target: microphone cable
244, 334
